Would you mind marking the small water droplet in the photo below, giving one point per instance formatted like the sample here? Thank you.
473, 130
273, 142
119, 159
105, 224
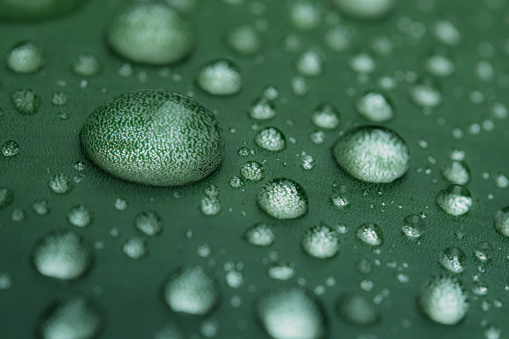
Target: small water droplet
357, 309
86, 64
370, 234
325, 116
80, 216
375, 106
453, 259
60, 184
271, 139
25, 101
252, 170
10, 148
135, 248
456, 172
149, 223
413, 226
260, 235
220, 77
454, 199
502, 221
321, 242
244, 40
25, 57
283, 199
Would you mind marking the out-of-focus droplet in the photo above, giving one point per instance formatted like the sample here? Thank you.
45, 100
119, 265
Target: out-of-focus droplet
25, 101
149, 223
36, 9
440, 66
310, 63
60, 184
260, 235
80, 216
338, 38
375, 106
41, 207
283, 199
447, 33
305, 14
362, 63
262, 109
454, 199
6, 197
456, 172
281, 271
365, 9
244, 39
502, 221
425, 94
325, 116
25, 57
170, 330
220, 77
86, 64
135, 248
321, 242
357, 310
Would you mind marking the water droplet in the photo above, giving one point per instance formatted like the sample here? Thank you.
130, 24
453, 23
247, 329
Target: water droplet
211, 205
6, 281
338, 38
375, 106
454, 199
492, 332
502, 221
357, 309
120, 204
271, 139
62, 255
456, 172
290, 313
220, 77
252, 170
444, 301
425, 94
151, 33
310, 63
169, 330
25, 101
260, 235
283, 199
321, 242
341, 196
370, 234
299, 86
236, 182
326, 116
41, 207
483, 251
234, 278
305, 14
192, 290
18, 215
244, 40
80, 216
413, 226
372, 154
149, 223
362, 63
75, 317
154, 137
10, 148
447, 33
25, 57
262, 109
453, 259
59, 99
440, 66
6, 197
60, 184
365, 9
135, 248
308, 162
86, 64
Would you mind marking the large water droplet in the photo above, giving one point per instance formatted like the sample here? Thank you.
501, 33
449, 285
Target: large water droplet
192, 290
154, 137
365, 9
372, 154
357, 310
62, 255
454, 199
283, 199
25, 57
76, 317
444, 301
502, 221
290, 313
453, 259
36, 9
271, 139
151, 33
220, 77
321, 242
375, 107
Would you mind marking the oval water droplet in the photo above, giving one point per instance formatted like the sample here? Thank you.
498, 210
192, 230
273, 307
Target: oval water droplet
372, 154
321, 242
135, 248
375, 106
281, 271
310, 63
271, 139
454, 199
220, 77
86, 64
260, 235
36, 9
154, 137
6, 197
483, 251
413, 226
25, 57
283, 199
10, 148
151, 33
425, 94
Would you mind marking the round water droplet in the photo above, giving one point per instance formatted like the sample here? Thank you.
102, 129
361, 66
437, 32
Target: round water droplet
60, 184
283, 199
362, 63
252, 170
357, 309
244, 40
444, 301
310, 63
454, 199
6, 197
483, 251
192, 290
425, 94
80, 216
86, 64
36, 9
375, 106
75, 317
220, 77
326, 116
62, 255
321, 242
260, 235
10, 148
151, 33
149, 223
25, 57
370, 234
291, 313
456, 172
262, 109
413, 226
501, 221
453, 259
271, 139
305, 14
25, 101
135, 248
341, 196
372, 154
338, 38
154, 137
365, 9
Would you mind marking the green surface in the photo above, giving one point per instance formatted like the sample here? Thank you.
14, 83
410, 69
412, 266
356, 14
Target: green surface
129, 292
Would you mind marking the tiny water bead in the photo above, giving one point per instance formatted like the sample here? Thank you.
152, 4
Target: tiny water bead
370, 234
150, 33
502, 221
375, 106
413, 226
260, 235
86, 64
372, 154
338, 38
283, 199
244, 40
453, 259
80, 216
36, 9
252, 170
365, 9
454, 199
154, 137
290, 312
148, 223
262, 109
341, 196
220, 77
25, 57
325, 116
10, 148
321, 242
357, 309
271, 139
192, 290
25, 101
62, 255
444, 301
75, 317
456, 172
